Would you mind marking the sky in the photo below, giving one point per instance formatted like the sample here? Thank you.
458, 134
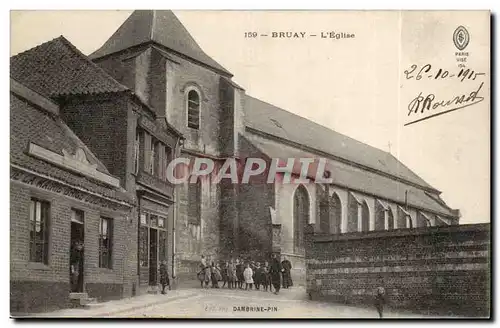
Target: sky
356, 86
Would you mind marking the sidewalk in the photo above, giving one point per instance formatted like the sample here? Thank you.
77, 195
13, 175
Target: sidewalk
113, 308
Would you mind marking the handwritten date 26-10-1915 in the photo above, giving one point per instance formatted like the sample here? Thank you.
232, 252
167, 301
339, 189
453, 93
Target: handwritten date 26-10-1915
428, 72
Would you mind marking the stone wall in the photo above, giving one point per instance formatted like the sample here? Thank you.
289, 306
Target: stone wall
438, 270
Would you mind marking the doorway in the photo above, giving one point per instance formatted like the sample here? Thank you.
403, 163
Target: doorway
153, 256
76, 252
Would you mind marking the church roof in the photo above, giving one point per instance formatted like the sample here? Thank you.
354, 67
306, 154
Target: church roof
272, 120
57, 67
161, 27
362, 180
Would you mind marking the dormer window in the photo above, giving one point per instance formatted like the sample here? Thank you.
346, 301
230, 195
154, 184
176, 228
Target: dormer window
193, 109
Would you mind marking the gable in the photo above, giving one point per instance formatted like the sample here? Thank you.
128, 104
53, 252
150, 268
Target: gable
161, 27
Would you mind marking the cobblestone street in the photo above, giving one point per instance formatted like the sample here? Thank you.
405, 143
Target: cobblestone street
225, 303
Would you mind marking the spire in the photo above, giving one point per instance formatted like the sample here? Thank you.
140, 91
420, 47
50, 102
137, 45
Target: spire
161, 27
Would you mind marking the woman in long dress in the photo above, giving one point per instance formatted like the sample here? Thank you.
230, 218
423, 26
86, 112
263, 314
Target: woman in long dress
231, 274
204, 273
287, 275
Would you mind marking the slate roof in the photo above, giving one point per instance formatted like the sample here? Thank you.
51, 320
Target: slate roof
161, 27
57, 68
278, 122
29, 123
359, 179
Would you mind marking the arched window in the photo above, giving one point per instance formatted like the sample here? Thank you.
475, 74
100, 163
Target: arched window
336, 213
300, 216
324, 215
330, 214
409, 221
390, 217
365, 217
193, 109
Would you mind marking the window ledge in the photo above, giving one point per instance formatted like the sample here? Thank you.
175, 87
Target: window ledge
105, 270
38, 266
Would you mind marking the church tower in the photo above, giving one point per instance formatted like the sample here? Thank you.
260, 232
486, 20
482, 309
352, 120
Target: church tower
153, 54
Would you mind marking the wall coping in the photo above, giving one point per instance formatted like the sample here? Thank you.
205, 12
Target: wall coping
475, 228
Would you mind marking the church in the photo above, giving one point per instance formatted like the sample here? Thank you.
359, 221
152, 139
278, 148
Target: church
150, 94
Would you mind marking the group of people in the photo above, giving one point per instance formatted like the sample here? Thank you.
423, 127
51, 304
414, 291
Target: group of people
246, 274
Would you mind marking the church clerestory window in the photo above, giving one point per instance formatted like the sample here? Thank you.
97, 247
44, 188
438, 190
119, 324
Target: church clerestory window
300, 216
193, 109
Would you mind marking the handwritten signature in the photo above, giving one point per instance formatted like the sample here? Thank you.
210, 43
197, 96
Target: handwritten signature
426, 71
421, 103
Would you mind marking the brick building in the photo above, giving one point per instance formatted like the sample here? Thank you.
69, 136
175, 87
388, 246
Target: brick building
165, 98
132, 142
60, 193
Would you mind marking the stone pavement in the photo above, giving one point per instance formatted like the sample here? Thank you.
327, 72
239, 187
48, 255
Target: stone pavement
237, 304
114, 308
190, 302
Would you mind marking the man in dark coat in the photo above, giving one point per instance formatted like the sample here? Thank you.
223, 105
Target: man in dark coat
164, 280
275, 271
239, 272
76, 266
287, 276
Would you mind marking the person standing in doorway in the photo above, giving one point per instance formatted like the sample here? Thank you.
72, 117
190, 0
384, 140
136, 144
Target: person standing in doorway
275, 271
76, 266
164, 279
287, 276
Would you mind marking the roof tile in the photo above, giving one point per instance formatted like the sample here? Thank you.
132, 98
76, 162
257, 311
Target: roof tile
278, 122
161, 27
57, 68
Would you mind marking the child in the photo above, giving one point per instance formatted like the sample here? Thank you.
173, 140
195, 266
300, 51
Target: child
224, 273
248, 273
164, 280
380, 300
259, 276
